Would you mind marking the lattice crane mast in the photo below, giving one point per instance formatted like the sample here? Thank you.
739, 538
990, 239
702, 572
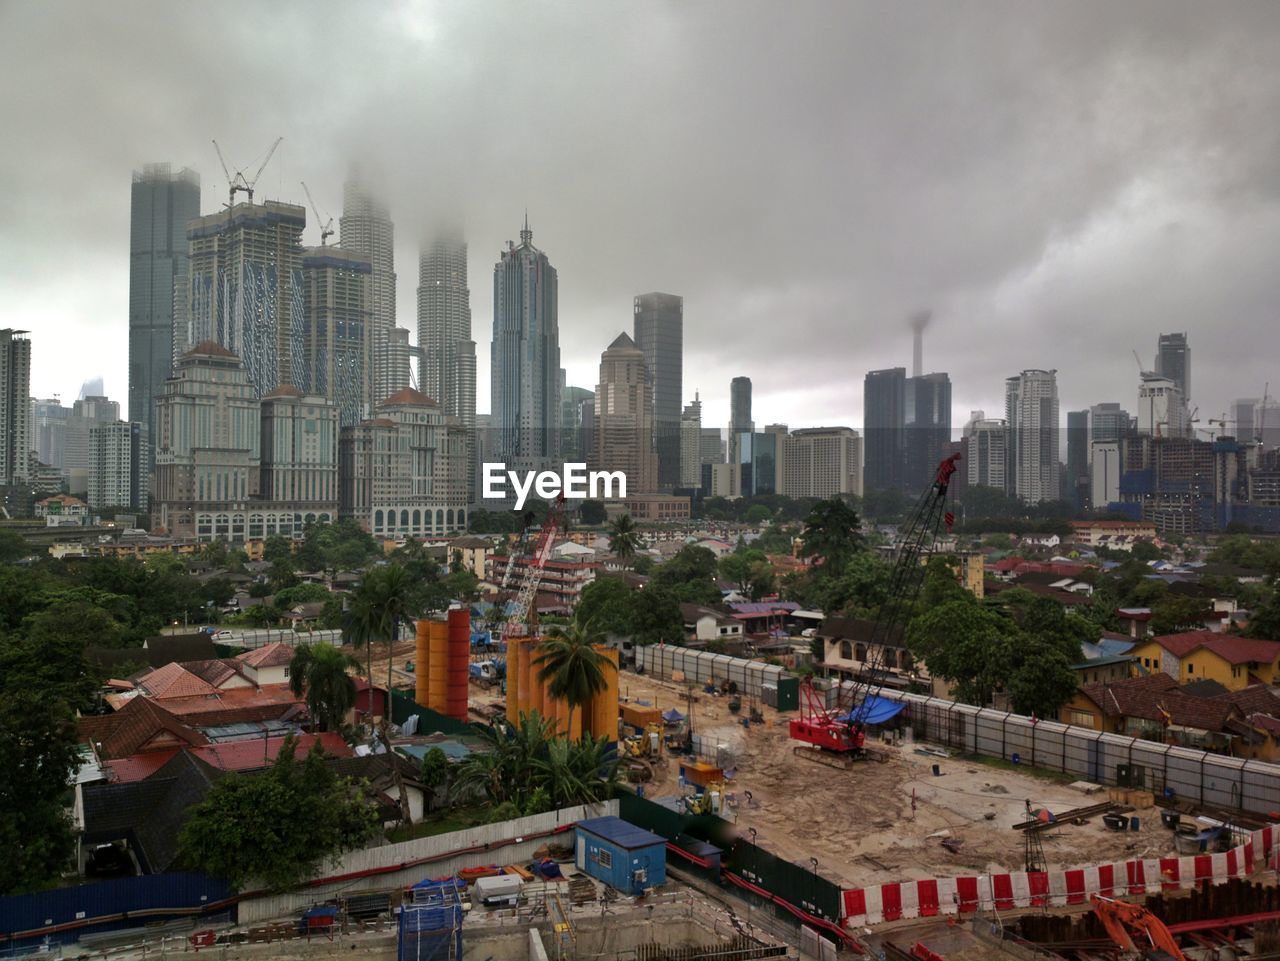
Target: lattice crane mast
326, 228
239, 183
842, 731
517, 621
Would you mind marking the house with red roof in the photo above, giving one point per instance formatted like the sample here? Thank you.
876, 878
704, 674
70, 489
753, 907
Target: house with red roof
268, 664
1234, 662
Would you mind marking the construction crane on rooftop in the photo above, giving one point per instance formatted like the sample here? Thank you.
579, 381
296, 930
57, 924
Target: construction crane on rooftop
239, 182
326, 226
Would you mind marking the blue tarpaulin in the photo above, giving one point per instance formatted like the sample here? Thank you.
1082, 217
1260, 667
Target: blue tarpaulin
874, 710
672, 716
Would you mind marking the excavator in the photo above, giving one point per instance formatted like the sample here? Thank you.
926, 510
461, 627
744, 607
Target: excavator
1123, 921
837, 737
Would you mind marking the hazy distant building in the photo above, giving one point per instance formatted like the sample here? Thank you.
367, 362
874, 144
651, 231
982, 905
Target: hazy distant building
1105, 468
986, 448
525, 355
1162, 408
366, 228
1107, 422
447, 372
822, 462
1076, 478
77, 456
298, 452
50, 425
1266, 422
1240, 425
246, 289
659, 333
119, 466
691, 444
400, 357
711, 446
338, 350
624, 417
161, 205
576, 412
16, 440
1031, 410
927, 428
756, 464
884, 399
1173, 360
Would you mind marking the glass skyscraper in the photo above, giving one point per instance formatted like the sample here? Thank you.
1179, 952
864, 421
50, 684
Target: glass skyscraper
659, 333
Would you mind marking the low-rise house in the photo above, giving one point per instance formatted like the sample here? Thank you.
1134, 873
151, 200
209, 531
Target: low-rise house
474, 552
1235, 662
1105, 669
268, 664
710, 624
849, 650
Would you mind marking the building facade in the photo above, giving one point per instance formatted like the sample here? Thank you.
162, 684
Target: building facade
50, 425
691, 444
986, 448
337, 286
822, 462
366, 228
1173, 360
298, 450
927, 428
16, 438
525, 354
161, 205
447, 371
659, 333
1162, 407
87, 412
624, 433
1031, 411
576, 410
119, 466
884, 399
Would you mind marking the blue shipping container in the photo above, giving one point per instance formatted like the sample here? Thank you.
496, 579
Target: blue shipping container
621, 855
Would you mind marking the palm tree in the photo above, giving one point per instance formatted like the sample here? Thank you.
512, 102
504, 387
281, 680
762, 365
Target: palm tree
569, 663
624, 539
578, 772
320, 673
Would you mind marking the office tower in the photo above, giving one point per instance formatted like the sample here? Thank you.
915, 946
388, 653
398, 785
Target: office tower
1076, 485
208, 426
624, 417
336, 285
366, 228
1173, 360
16, 440
447, 372
779, 433
525, 368
822, 462
755, 465
404, 471
659, 333
400, 355
87, 412
711, 447
884, 399
1240, 423
691, 444
1108, 422
246, 289
740, 407
927, 428
50, 424
1104, 473
985, 455
1266, 422
161, 206
573, 447
298, 450
1031, 410
119, 466
1162, 408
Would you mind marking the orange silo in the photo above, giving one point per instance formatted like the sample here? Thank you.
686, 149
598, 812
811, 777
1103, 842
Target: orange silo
515, 689
421, 660
603, 709
438, 685
459, 628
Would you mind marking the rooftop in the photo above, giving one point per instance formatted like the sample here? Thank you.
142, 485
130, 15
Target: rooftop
1229, 647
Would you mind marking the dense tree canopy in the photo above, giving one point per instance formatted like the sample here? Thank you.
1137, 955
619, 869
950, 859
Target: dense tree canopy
831, 536
689, 576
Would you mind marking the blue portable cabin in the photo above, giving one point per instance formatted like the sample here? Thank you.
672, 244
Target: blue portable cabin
620, 854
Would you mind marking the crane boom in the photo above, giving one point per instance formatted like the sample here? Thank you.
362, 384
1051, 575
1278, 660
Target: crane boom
517, 621
326, 228
270, 153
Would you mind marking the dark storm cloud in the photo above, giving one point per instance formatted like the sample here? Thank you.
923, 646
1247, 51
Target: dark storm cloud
1057, 184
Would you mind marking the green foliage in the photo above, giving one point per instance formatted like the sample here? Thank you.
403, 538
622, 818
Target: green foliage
277, 547
592, 513
1265, 622
333, 547
830, 536
435, 774
624, 539
1173, 613
655, 617
647, 616
319, 673
642, 564
1241, 550
291, 597
775, 539
13, 547
571, 667
606, 605
859, 591
749, 571
757, 514
690, 576
279, 826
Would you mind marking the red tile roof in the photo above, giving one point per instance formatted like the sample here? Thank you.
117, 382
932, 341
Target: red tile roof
275, 654
252, 753
174, 680
1144, 698
1229, 647
140, 725
137, 767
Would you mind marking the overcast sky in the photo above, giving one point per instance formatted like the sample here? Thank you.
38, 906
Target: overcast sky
1058, 183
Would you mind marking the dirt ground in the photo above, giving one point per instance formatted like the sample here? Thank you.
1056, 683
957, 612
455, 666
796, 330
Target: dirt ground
859, 823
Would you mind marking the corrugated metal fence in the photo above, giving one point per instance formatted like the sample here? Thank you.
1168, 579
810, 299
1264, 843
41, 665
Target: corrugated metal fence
661, 660
1201, 777
403, 706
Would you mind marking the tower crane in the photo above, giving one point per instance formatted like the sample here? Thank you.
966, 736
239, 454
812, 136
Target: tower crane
1262, 412
839, 735
238, 182
516, 623
326, 226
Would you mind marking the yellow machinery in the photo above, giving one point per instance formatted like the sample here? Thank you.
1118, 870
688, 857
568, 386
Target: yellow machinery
648, 744
710, 801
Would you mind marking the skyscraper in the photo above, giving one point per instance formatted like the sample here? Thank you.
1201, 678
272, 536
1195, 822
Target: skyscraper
16, 441
447, 372
338, 363
927, 423
624, 417
740, 421
1241, 424
366, 228
884, 400
246, 289
1173, 360
1077, 476
986, 447
1031, 411
119, 465
691, 443
822, 462
51, 431
525, 367
1162, 407
162, 204
87, 412
574, 446
659, 333
1107, 422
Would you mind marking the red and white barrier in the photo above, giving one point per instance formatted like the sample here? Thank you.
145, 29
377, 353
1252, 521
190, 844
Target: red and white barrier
964, 895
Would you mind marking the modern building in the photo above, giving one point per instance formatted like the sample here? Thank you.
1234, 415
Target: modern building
1162, 407
50, 424
577, 405
337, 343
1266, 423
246, 290
299, 451
884, 399
1108, 422
162, 203
207, 465
1173, 360
986, 451
366, 228
1076, 479
403, 473
756, 467
691, 444
740, 421
822, 462
711, 446
624, 434
87, 412
1104, 473
447, 371
400, 358
119, 466
927, 428
1031, 411
525, 353
659, 333
16, 438
1240, 423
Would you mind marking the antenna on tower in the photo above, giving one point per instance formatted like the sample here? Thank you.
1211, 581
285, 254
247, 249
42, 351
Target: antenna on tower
239, 182
326, 226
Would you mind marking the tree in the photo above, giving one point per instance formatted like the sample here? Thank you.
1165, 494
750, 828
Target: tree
831, 536
606, 605
435, 773
320, 674
277, 547
966, 644
758, 514
624, 539
592, 513
1174, 613
278, 827
1040, 679
571, 667
750, 571
690, 576
12, 547
655, 617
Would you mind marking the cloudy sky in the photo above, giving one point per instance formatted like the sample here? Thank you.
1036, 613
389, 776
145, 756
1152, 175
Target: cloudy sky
1058, 183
